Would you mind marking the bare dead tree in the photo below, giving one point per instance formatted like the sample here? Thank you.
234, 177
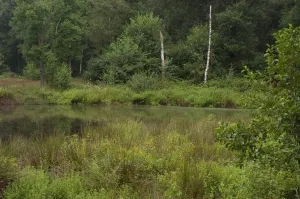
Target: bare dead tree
163, 64
209, 45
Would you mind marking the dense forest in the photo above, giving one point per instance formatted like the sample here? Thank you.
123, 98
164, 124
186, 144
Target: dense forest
112, 40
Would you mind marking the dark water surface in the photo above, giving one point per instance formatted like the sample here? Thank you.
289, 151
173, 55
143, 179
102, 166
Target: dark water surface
41, 121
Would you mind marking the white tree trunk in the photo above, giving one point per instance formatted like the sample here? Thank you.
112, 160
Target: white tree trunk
80, 66
163, 65
209, 46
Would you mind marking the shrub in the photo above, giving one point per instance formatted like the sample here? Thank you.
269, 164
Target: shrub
34, 183
62, 78
57, 75
8, 168
141, 82
30, 184
5, 94
272, 137
31, 71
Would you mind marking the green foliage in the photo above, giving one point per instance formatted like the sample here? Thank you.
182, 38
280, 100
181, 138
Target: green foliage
124, 58
3, 66
135, 51
272, 137
129, 161
44, 29
190, 57
141, 82
157, 93
8, 167
57, 76
236, 40
62, 78
144, 29
34, 183
291, 16
31, 184
68, 29
106, 17
230, 81
31, 71
79, 32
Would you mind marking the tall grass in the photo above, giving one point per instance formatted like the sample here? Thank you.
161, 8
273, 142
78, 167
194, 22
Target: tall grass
133, 159
174, 95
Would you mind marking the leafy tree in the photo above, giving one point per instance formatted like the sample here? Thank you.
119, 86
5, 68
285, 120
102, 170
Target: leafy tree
144, 29
43, 26
8, 41
272, 137
291, 14
189, 57
197, 43
237, 42
137, 50
105, 20
68, 29
32, 24
122, 59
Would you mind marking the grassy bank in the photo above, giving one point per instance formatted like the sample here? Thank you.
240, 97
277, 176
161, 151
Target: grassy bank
131, 159
215, 94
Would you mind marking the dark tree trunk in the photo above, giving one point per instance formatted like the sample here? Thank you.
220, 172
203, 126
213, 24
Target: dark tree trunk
70, 64
41, 128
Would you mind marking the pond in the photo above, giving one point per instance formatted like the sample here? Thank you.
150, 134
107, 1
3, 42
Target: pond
109, 147
43, 121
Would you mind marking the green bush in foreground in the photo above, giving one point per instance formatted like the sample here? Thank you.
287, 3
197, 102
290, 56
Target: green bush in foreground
271, 139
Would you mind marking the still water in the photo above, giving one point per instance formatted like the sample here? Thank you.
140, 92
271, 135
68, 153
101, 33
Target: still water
43, 121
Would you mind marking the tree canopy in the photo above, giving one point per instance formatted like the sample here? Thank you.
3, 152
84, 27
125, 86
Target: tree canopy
81, 33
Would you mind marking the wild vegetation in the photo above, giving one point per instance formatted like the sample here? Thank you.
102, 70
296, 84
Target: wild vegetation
114, 45
137, 92
165, 158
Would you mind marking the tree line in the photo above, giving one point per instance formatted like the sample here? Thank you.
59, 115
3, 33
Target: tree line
112, 40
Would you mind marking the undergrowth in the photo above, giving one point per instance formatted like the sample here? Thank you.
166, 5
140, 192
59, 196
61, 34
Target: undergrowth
127, 160
171, 94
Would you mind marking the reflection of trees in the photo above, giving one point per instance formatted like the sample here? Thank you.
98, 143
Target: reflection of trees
20, 126
43, 121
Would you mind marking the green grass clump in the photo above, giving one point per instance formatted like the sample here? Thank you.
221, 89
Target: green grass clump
6, 97
192, 96
4, 93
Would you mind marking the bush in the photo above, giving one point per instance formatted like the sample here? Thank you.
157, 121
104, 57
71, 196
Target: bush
234, 83
62, 78
57, 75
5, 94
31, 71
272, 137
7, 168
34, 183
141, 82
30, 184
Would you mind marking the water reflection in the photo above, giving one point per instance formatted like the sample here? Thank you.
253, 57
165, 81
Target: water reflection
41, 121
